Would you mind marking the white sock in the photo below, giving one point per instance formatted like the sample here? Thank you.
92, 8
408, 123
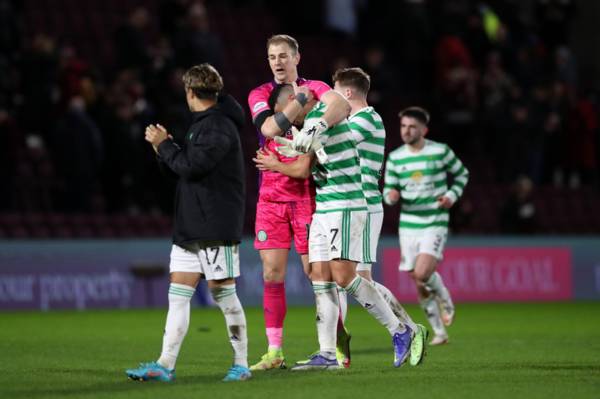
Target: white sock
432, 311
366, 294
178, 320
328, 312
226, 298
343, 299
436, 286
395, 305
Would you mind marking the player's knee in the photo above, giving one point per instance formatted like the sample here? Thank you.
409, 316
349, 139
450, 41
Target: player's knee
365, 274
421, 276
273, 274
344, 278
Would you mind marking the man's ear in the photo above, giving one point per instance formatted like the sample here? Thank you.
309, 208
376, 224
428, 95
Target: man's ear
297, 58
190, 94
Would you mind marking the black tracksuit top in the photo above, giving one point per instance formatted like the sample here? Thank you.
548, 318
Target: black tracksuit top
209, 167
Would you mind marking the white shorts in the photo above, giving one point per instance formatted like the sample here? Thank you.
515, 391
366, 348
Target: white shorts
370, 240
431, 242
217, 260
336, 235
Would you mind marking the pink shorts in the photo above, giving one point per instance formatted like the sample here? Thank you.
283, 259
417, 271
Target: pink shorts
277, 222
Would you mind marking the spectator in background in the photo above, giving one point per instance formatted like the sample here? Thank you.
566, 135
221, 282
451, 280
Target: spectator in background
338, 63
195, 43
127, 176
582, 130
463, 216
457, 90
38, 76
496, 89
71, 72
566, 68
517, 131
11, 150
554, 18
130, 41
77, 145
553, 124
518, 215
383, 78
341, 18
172, 14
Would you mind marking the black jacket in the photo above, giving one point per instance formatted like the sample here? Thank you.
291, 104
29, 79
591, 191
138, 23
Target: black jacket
210, 194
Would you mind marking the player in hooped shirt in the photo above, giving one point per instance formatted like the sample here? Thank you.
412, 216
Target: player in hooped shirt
285, 206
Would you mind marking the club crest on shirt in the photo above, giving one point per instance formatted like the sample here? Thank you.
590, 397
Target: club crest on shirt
417, 176
261, 236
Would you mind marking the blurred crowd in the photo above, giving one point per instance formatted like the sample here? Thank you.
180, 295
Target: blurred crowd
499, 77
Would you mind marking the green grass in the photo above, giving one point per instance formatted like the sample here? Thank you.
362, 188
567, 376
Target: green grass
496, 351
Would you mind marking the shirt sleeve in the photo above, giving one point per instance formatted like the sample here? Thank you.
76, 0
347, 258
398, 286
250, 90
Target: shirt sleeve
318, 88
258, 101
391, 180
362, 126
198, 156
458, 171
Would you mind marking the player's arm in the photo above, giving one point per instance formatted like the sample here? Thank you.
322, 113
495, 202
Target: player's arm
391, 184
207, 149
460, 174
338, 108
299, 169
272, 123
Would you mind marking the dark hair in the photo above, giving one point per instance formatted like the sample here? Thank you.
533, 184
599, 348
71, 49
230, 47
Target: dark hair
204, 81
353, 77
417, 113
287, 39
276, 93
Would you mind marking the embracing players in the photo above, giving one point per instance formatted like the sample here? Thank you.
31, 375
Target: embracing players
285, 204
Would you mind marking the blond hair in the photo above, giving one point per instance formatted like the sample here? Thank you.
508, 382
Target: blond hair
287, 39
204, 81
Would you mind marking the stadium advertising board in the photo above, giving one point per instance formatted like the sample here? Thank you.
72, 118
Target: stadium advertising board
133, 273
492, 274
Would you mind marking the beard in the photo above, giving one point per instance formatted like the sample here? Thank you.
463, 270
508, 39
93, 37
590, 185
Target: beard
411, 140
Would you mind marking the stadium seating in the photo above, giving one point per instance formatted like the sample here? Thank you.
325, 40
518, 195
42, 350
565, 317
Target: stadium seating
89, 25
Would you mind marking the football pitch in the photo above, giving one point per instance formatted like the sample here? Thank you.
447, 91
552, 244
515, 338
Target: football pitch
549, 350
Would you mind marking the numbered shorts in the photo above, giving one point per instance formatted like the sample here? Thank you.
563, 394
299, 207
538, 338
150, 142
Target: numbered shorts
370, 240
278, 222
411, 246
337, 235
217, 260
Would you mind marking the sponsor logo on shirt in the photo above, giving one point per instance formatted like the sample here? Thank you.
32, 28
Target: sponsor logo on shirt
258, 106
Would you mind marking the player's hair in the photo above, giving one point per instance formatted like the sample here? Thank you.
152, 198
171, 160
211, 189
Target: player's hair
204, 81
418, 113
353, 77
287, 39
274, 97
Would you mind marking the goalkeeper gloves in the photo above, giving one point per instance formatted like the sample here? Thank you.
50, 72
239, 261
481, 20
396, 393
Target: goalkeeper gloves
306, 139
286, 146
